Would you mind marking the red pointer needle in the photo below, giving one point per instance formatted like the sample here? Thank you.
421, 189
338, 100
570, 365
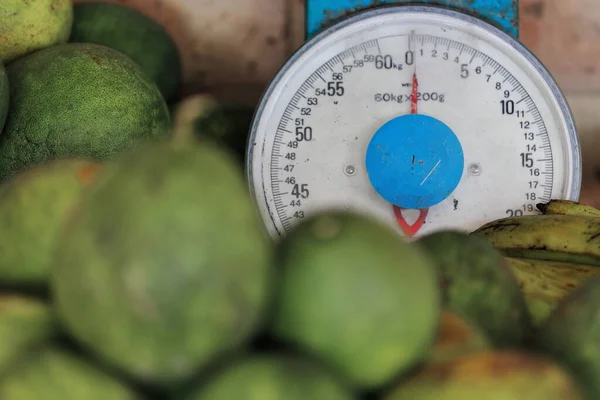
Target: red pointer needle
411, 230
414, 94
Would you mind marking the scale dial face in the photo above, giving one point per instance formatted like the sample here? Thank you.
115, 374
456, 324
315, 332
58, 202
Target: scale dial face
420, 117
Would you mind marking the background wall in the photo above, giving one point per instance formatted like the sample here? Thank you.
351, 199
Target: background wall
234, 47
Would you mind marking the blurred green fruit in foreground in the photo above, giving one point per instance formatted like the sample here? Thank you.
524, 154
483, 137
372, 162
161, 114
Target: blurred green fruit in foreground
456, 337
54, 374
477, 283
165, 266
273, 377
491, 376
571, 335
354, 294
25, 323
35, 205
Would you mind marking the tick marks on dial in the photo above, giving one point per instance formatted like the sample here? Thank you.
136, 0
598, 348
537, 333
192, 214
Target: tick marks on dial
354, 67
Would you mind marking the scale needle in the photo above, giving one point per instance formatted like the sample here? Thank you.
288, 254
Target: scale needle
415, 81
411, 230
414, 94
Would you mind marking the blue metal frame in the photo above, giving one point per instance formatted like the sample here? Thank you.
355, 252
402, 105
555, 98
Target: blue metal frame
504, 14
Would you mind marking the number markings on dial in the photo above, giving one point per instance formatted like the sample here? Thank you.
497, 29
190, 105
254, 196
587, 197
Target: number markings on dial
328, 85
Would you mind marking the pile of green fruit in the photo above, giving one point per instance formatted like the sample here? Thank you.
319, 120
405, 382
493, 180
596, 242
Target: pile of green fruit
93, 80
134, 264
151, 277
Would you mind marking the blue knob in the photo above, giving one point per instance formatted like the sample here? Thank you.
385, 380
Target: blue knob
414, 161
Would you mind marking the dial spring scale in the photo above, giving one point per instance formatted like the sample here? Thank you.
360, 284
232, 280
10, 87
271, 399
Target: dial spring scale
422, 117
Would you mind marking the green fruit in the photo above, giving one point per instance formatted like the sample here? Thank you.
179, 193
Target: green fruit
540, 309
4, 95
478, 284
78, 101
273, 377
54, 374
34, 207
228, 124
30, 25
132, 33
490, 376
354, 294
188, 110
203, 117
456, 338
571, 335
168, 251
25, 323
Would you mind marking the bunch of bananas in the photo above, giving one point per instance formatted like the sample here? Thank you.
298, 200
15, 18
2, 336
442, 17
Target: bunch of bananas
551, 254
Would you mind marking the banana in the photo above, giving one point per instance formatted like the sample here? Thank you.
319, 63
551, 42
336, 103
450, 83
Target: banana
567, 207
546, 283
568, 238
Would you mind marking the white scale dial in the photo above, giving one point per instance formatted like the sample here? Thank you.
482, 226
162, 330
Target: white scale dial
310, 139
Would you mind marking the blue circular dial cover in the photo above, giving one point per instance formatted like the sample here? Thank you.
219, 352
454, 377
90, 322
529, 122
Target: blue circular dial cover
414, 161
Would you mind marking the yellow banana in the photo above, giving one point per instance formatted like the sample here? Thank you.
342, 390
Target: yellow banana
569, 238
567, 207
546, 283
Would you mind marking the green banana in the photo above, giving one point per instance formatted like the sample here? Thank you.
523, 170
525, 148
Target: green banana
568, 238
567, 207
546, 283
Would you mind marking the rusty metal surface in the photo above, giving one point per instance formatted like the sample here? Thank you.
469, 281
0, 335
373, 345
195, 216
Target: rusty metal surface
504, 14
